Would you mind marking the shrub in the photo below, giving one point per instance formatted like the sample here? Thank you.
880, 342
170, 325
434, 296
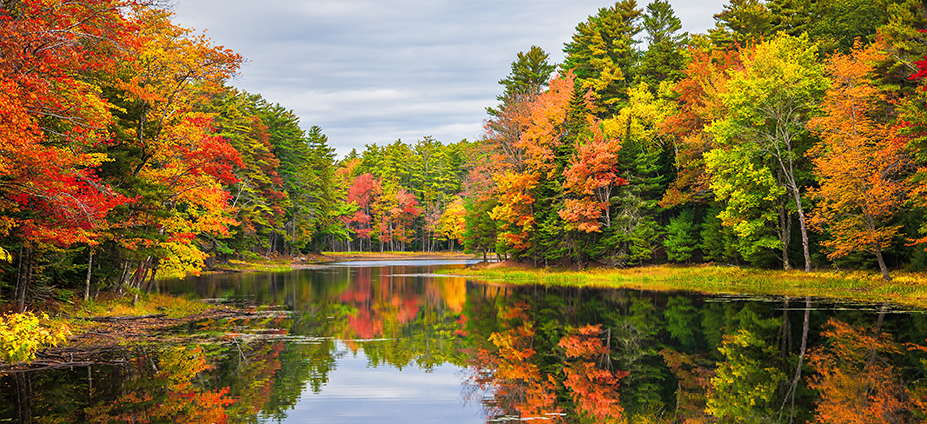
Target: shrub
21, 335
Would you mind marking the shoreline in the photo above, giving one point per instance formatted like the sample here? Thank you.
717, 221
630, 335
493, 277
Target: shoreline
110, 324
906, 289
315, 261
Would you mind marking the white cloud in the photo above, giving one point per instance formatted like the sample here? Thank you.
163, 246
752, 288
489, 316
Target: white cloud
375, 71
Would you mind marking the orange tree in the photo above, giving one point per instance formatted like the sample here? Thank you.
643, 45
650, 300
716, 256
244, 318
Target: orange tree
859, 161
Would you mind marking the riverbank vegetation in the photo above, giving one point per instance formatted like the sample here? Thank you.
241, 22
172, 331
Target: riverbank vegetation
863, 286
794, 141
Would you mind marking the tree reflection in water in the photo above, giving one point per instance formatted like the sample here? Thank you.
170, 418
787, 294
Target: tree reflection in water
721, 360
557, 354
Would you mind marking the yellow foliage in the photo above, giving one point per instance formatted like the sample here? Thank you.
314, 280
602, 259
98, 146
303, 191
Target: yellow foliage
21, 335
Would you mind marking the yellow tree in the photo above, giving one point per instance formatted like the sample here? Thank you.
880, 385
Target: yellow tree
453, 223
177, 164
858, 161
769, 101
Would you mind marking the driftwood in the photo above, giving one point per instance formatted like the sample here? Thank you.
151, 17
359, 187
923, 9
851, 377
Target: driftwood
71, 357
123, 318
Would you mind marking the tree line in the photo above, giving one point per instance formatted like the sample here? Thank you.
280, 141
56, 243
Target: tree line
126, 157
790, 135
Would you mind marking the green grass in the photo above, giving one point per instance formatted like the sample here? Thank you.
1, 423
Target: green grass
905, 288
269, 265
148, 304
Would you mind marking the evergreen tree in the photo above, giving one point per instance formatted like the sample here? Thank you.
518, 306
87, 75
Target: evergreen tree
664, 59
741, 23
681, 238
603, 57
529, 76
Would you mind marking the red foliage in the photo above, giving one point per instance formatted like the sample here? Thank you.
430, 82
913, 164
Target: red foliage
699, 104
50, 116
594, 386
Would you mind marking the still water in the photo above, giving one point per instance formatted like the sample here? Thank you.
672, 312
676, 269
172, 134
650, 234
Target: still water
397, 342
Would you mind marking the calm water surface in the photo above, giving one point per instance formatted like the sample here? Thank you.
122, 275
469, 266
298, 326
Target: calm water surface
394, 342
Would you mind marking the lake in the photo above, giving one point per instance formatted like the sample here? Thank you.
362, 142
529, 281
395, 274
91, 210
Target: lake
402, 342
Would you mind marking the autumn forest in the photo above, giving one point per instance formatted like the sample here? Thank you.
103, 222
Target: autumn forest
790, 136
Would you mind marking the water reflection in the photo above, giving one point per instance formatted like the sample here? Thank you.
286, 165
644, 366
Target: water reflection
399, 344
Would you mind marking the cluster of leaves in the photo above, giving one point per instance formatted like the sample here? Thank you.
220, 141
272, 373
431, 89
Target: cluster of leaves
22, 335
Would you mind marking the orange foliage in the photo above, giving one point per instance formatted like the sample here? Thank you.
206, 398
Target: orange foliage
592, 174
694, 384
859, 160
593, 385
51, 117
517, 383
857, 384
172, 73
516, 198
170, 395
545, 127
699, 104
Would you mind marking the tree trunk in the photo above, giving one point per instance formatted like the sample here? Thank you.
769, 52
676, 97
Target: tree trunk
124, 275
293, 242
801, 357
785, 226
882, 267
23, 277
89, 269
805, 244
22, 387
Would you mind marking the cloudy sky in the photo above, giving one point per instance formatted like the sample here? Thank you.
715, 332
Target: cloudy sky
374, 71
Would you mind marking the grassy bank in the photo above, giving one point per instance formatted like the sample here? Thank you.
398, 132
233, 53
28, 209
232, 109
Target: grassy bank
148, 304
905, 288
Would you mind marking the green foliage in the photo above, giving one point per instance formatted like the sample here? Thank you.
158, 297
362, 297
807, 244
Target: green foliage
481, 231
718, 242
530, 74
678, 316
21, 335
751, 194
602, 54
681, 237
741, 23
664, 59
